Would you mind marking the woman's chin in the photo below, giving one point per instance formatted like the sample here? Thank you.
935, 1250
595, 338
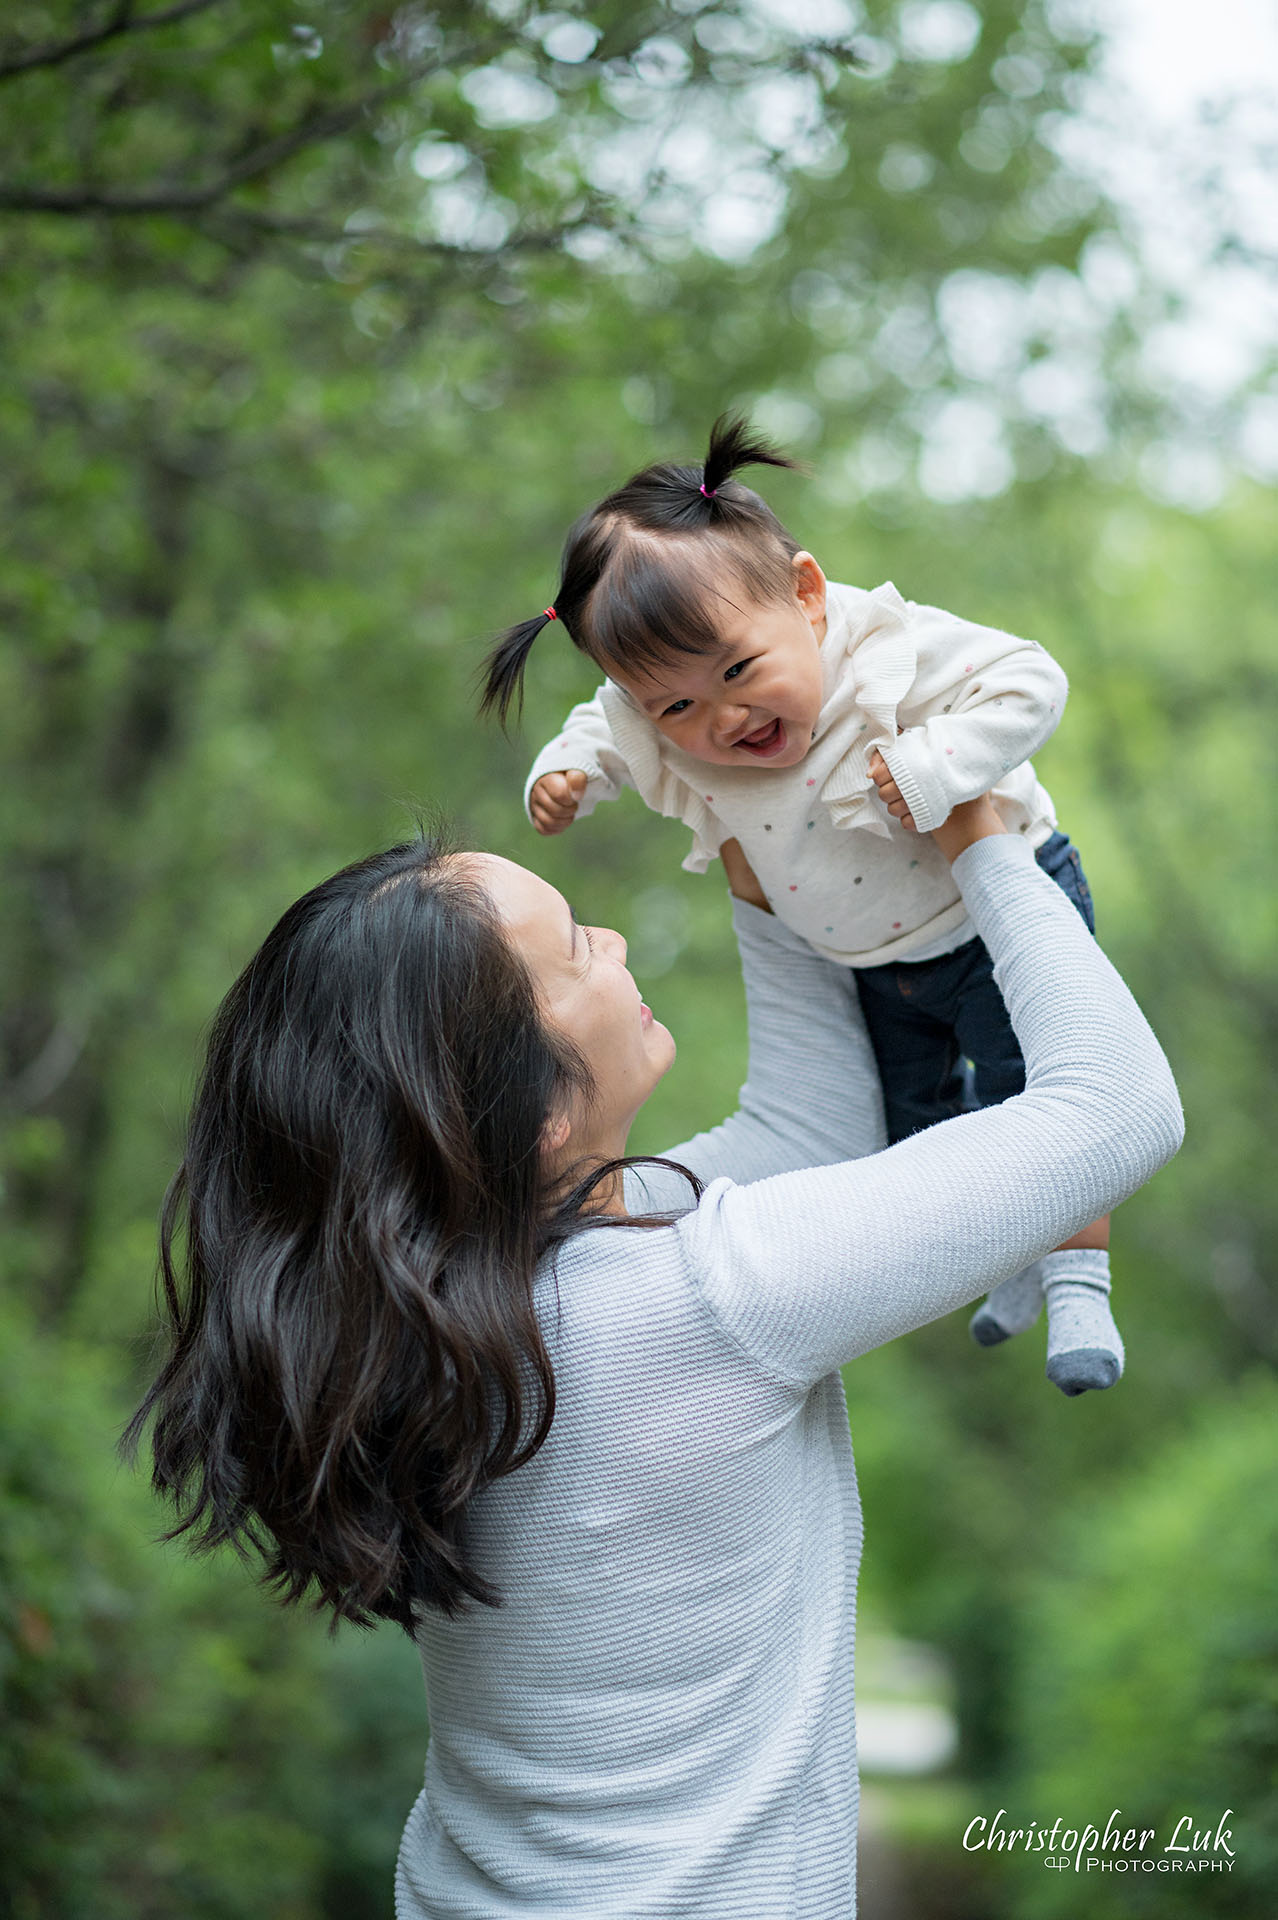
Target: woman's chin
662, 1043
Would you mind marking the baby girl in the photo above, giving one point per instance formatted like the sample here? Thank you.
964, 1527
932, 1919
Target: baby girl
827, 730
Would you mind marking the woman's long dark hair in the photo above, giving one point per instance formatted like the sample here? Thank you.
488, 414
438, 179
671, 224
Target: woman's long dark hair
358, 1216
644, 573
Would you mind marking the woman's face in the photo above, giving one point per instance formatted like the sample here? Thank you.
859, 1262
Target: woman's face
587, 994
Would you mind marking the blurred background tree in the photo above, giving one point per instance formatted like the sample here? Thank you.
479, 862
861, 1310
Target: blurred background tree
1143, 1643
321, 322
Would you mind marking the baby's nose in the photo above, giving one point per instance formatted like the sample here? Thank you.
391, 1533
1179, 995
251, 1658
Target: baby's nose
729, 721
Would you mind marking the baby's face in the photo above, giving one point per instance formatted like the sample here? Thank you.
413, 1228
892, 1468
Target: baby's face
757, 700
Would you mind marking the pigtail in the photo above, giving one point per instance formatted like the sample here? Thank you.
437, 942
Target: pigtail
629, 601
503, 670
733, 444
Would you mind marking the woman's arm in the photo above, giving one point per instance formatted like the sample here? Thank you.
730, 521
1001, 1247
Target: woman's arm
810, 1269
811, 1094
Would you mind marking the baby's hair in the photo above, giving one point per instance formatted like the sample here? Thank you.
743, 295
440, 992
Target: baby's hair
643, 572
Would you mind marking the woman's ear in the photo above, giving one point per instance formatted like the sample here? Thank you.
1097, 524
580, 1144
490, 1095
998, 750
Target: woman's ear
554, 1135
809, 587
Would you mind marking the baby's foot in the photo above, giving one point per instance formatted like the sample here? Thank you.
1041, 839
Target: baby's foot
1010, 1308
1084, 1348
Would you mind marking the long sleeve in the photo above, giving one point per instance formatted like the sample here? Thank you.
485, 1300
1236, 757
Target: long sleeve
807, 1270
982, 703
811, 1094
585, 741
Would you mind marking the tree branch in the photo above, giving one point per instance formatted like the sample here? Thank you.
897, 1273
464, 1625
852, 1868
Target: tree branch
321, 233
313, 128
120, 21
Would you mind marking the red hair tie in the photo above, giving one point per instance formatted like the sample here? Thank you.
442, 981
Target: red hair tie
710, 495
550, 613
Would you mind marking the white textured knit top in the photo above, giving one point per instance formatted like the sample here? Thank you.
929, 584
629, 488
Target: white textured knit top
834, 864
659, 1721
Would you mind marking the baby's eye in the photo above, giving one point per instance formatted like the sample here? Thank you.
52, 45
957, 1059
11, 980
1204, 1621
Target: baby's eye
677, 707
740, 667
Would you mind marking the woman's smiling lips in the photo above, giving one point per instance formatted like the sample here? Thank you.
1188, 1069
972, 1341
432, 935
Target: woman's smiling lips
764, 742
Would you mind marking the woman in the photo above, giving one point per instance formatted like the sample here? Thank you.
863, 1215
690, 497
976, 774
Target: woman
433, 1354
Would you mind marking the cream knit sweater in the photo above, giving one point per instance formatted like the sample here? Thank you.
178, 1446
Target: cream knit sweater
973, 704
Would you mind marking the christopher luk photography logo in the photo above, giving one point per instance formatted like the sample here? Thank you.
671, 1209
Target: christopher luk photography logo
1188, 1845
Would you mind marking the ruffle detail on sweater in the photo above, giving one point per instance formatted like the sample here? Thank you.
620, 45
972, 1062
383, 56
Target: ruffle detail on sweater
657, 783
884, 661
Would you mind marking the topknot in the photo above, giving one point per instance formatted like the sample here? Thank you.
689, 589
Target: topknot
734, 444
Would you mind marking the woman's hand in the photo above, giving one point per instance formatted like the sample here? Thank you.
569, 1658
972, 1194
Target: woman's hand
973, 820
741, 876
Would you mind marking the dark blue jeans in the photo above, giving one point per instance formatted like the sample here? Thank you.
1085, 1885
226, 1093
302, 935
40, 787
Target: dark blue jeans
928, 1019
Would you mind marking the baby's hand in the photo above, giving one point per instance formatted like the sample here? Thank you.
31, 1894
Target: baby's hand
889, 792
554, 800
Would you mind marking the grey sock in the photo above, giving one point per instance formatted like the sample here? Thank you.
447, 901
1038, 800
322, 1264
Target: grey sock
1009, 1308
1084, 1348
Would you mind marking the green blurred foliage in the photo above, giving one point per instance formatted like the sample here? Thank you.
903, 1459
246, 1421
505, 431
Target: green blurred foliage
278, 452
1150, 1671
171, 1746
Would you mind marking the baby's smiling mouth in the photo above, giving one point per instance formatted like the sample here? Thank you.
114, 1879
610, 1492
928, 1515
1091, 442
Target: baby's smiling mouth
764, 741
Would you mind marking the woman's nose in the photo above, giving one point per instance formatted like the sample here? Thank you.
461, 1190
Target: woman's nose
612, 939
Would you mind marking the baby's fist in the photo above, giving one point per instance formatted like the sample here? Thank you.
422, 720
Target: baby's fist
889, 792
554, 800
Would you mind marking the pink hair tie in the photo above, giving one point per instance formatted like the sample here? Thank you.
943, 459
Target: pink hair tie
710, 495
550, 613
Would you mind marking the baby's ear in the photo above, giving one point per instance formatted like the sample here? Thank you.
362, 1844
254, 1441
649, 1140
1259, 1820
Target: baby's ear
809, 585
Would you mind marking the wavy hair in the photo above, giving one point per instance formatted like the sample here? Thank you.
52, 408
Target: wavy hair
645, 573
347, 1252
